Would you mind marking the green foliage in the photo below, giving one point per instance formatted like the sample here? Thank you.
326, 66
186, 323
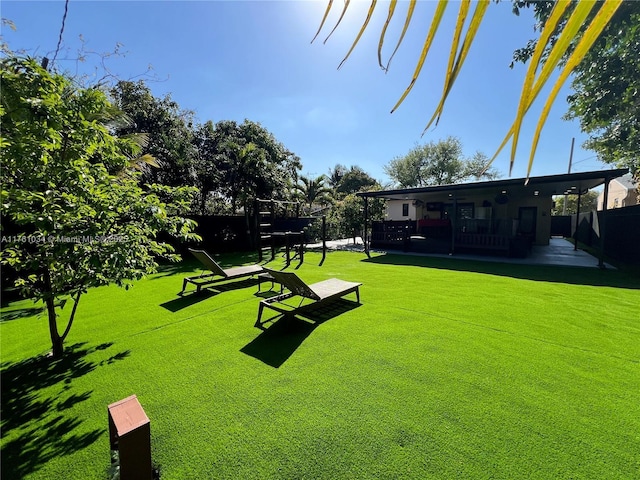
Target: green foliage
335, 175
588, 203
438, 163
167, 127
313, 190
347, 216
241, 162
354, 180
605, 85
69, 190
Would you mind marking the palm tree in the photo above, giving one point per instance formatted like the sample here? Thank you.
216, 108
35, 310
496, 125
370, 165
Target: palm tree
566, 37
313, 190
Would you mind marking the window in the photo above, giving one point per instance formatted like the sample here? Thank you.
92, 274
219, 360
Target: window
405, 209
464, 211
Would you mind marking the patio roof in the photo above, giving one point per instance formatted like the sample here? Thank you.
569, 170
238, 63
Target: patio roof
568, 183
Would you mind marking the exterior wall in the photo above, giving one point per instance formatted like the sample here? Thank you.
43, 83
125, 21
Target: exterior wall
506, 213
619, 196
394, 210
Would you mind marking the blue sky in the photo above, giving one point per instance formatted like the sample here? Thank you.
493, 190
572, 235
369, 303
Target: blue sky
253, 59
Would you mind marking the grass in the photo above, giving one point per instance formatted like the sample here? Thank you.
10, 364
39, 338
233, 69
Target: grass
448, 369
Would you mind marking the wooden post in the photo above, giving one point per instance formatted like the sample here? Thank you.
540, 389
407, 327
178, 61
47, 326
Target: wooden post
575, 235
603, 222
130, 436
365, 230
324, 238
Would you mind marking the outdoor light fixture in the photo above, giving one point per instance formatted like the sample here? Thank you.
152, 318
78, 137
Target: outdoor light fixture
536, 193
504, 191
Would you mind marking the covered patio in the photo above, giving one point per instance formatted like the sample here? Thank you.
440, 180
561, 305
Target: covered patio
507, 218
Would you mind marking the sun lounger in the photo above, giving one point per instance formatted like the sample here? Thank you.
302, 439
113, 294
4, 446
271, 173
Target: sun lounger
318, 292
218, 274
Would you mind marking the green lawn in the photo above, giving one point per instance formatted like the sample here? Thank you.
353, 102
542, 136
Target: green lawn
448, 369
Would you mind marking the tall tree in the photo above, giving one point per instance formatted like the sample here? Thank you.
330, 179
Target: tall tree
355, 180
168, 128
438, 163
79, 216
335, 175
206, 167
605, 83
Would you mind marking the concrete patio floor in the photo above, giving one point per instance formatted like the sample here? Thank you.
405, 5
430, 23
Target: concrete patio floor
559, 252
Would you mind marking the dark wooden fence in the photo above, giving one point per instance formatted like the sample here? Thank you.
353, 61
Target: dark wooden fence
621, 232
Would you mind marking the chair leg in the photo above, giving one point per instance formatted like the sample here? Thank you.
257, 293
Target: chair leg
260, 308
184, 285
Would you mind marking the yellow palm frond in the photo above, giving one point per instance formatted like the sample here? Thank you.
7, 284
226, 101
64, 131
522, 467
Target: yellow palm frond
324, 19
372, 7
454, 67
435, 23
383, 33
592, 33
533, 84
412, 7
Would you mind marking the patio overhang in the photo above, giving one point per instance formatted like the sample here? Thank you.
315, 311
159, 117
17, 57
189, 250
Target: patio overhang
550, 185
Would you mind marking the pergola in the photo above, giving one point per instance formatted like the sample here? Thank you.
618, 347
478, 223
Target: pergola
544, 186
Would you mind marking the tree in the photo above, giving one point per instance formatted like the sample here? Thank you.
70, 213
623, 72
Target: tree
347, 215
355, 180
167, 127
335, 175
79, 216
539, 70
313, 190
438, 163
588, 202
606, 85
251, 163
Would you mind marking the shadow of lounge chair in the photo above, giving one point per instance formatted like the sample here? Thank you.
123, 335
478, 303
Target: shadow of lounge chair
218, 274
317, 292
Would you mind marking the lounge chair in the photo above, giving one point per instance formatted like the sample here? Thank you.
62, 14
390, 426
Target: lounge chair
218, 274
318, 292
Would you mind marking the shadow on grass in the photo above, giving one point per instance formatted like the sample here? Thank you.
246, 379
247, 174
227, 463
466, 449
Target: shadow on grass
193, 297
278, 342
543, 273
18, 313
44, 430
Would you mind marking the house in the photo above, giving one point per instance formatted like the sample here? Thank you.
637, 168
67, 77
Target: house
500, 216
623, 192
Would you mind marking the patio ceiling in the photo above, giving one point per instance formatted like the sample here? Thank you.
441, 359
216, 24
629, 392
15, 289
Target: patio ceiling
546, 186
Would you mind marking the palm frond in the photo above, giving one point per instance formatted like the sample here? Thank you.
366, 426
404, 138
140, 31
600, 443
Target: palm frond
526, 97
532, 85
592, 33
344, 10
324, 19
362, 29
454, 68
383, 33
435, 23
412, 6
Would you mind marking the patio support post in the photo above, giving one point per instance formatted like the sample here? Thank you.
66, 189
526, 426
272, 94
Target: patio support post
602, 223
453, 225
575, 235
366, 220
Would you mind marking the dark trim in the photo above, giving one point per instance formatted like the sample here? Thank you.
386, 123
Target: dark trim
599, 177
